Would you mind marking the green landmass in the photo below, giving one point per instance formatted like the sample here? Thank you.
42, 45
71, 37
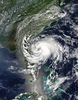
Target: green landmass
18, 10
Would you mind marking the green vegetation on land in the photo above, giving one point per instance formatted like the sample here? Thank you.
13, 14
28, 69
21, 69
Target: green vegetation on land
18, 10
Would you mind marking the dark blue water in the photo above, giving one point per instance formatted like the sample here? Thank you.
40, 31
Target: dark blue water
11, 84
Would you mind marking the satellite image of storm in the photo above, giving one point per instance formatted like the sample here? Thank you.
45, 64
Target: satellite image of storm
38, 49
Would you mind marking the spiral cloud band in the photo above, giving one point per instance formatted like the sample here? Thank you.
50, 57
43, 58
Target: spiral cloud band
41, 50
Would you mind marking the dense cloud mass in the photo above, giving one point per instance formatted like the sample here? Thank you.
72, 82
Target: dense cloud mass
57, 47
39, 49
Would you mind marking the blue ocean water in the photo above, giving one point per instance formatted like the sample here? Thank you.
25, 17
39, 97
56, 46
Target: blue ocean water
12, 83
